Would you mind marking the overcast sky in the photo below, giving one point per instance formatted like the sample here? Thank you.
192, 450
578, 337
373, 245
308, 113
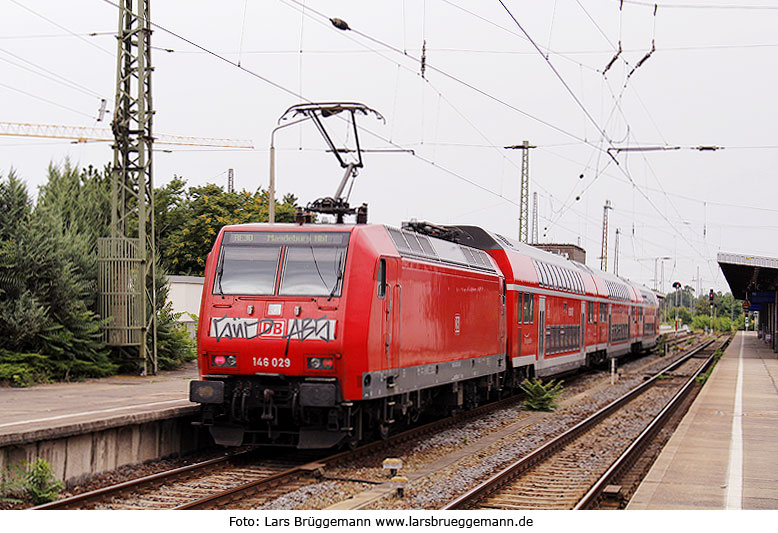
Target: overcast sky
495, 75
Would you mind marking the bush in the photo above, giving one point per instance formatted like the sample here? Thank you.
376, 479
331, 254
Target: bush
174, 344
33, 482
541, 396
49, 326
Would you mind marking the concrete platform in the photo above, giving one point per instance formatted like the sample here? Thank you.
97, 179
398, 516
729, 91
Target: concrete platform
99, 424
724, 454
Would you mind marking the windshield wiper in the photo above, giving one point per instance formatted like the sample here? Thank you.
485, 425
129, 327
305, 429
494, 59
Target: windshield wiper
338, 277
219, 277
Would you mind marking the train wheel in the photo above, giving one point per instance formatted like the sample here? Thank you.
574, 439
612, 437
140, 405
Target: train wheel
383, 431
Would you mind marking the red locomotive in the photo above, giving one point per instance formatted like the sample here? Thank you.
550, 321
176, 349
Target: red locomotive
318, 335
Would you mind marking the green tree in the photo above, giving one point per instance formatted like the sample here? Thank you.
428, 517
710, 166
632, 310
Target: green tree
190, 220
46, 271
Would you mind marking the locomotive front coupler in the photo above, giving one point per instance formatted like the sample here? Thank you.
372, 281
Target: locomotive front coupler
268, 409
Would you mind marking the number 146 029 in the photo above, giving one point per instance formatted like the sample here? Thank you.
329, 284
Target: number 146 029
274, 362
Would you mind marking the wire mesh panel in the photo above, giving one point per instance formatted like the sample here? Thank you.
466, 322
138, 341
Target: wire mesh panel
120, 279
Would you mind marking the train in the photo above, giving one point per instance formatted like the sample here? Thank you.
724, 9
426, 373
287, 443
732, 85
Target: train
325, 335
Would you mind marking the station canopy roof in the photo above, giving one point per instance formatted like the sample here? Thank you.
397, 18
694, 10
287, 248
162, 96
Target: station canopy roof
750, 277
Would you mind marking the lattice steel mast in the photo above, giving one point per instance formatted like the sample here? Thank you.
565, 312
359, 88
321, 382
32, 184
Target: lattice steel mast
604, 256
127, 271
535, 218
524, 190
616, 253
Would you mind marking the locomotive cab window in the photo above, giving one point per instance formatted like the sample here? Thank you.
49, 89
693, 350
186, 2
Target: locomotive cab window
247, 270
311, 263
381, 279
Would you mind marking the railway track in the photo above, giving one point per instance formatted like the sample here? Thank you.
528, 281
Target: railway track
581, 467
247, 479
256, 495
173, 488
218, 482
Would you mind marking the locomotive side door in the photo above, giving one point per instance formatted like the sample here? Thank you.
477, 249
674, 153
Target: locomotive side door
392, 295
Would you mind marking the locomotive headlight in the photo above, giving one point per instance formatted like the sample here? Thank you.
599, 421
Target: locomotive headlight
320, 363
224, 360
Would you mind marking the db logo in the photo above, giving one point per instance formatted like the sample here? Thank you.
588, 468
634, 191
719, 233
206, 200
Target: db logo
457, 324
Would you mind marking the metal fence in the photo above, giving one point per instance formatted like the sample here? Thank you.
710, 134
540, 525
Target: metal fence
121, 290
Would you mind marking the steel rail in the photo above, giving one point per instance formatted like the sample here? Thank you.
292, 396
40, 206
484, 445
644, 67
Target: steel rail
232, 494
89, 498
548, 449
78, 501
638, 446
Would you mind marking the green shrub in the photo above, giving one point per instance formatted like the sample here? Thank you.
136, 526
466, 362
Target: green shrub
174, 344
541, 396
32, 482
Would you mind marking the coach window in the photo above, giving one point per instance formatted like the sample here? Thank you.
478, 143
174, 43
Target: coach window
381, 278
529, 307
519, 308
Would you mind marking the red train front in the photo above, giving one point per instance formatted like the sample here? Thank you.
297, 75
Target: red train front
316, 335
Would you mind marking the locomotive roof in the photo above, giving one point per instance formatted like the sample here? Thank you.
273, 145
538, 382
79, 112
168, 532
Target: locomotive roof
475, 237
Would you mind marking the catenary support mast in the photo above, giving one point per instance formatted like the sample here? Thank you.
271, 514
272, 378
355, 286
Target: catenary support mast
126, 258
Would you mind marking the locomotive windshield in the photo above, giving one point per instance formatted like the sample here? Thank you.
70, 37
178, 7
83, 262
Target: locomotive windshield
309, 263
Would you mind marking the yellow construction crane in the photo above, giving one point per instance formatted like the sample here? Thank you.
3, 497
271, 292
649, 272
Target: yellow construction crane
84, 134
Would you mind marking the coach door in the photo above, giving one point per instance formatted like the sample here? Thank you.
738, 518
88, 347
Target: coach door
541, 327
582, 337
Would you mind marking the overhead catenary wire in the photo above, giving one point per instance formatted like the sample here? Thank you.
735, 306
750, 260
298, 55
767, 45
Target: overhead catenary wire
398, 70
346, 27
299, 96
49, 74
60, 26
605, 136
626, 173
663, 5
42, 99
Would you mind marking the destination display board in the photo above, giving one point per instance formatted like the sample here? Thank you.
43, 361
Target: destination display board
287, 238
